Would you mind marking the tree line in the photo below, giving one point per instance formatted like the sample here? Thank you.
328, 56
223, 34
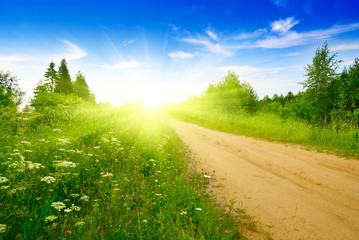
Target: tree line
328, 99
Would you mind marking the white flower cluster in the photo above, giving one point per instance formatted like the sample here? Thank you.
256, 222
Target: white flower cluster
58, 205
48, 179
85, 198
50, 218
107, 174
75, 208
3, 228
57, 130
64, 164
3, 179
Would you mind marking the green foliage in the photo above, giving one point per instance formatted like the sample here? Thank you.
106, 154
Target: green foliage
228, 95
321, 83
106, 174
10, 93
50, 78
63, 80
81, 88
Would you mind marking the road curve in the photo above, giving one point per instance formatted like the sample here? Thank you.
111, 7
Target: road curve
293, 192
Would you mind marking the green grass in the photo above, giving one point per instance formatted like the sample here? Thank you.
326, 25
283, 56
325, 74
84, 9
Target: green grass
102, 173
272, 127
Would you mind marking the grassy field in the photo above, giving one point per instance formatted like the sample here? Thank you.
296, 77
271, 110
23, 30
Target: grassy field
102, 173
272, 127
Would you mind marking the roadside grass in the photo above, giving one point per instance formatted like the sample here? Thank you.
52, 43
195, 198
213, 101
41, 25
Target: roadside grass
272, 127
102, 173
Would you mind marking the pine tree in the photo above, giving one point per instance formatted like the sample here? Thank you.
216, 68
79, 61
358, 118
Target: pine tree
63, 84
50, 78
81, 88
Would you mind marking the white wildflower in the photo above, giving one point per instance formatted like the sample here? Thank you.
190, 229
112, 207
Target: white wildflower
206, 176
64, 164
3, 179
96, 147
58, 205
4, 187
85, 198
107, 174
50, 218
183, 213
57, 130
151, 160
144, 220
34, 165
75, 208
67, 210
48, 179
3, 228
27, 150
63, 141
199, 209
26, 143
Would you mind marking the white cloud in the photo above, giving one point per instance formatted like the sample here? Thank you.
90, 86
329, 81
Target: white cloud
255, 34
180, 55
122, 65
13, 59
126, 43
210, 47
73, 51
212, 35
283, 26
292, 38
348, 46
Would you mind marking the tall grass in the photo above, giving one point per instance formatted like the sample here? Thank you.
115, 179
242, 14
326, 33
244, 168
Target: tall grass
272, 127
102, 173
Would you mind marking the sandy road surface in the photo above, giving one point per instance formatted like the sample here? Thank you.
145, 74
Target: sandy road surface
294, 193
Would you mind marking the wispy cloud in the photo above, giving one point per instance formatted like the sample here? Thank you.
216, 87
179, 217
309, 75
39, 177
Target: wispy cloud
283, 25
73, 51
122, 65
255, 34
290, 38
126, 43
348, 46
13, 59
212, 35
179, 55
280, 3
209, 46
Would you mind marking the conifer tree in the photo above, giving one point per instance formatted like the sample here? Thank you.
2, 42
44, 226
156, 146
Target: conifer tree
81, 88
50, 78
63, 84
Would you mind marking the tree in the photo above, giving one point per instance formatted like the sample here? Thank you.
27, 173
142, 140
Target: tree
319, 86
50, 78
63, 84
81, 88
10, 92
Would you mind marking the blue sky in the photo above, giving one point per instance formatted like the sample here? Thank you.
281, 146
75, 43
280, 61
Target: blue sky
159, 50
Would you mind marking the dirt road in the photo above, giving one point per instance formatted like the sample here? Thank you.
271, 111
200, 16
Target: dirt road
294, 193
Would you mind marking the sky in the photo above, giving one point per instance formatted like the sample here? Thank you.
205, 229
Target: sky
154, 51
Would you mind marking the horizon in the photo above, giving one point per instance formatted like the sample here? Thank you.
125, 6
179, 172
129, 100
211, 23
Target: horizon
162, 51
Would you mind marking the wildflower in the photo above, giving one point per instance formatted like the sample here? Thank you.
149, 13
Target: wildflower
151, 160
85, 198
74, 195
3, 228
29, 151
158, 194
81, 223
4, 187
221, 219
64, 164
75, 208
26, 143
3, 179
58, 205
67, 210
96, 147
99, 228
225, 232
206, 176
32, 165
144, 220
107, 174
68, 233
48, 179
199, 209
50, 218
63, 141
191, 203
57, 130
183, 213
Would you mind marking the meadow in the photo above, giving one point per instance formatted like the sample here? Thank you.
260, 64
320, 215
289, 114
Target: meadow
98, 172
273, 127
